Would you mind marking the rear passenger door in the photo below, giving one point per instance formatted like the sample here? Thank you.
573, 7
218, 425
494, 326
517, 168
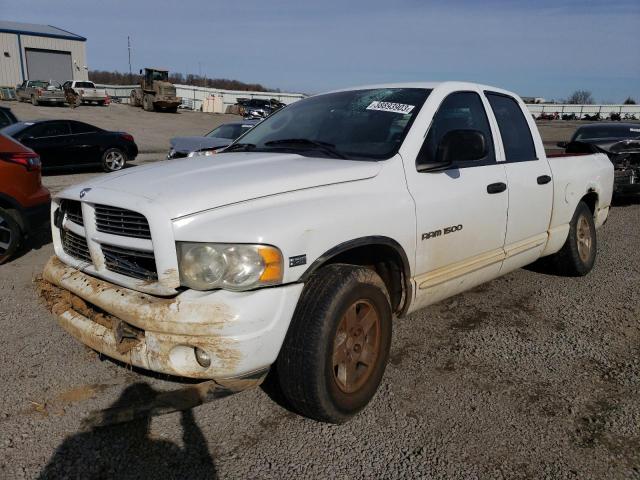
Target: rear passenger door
461, 212
84, 147
530, 184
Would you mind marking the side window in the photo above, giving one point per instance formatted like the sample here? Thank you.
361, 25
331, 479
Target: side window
79, 127
4, 119
459, 111
514, 129
49, 129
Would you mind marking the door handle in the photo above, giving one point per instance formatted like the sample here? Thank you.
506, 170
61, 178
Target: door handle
496, 187
542, 179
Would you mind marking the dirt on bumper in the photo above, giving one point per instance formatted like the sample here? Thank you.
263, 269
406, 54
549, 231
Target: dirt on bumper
139, 329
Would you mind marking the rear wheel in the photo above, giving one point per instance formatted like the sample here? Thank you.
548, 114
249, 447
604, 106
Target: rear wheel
113, 159
34, 100
172, 110
337, 346
578, 255
10, 234
132, 99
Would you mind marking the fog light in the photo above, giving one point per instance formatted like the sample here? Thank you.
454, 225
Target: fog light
202, 357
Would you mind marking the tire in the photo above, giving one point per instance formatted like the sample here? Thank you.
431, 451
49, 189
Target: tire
578, 254
34, 101
101, 103
321, 350
113, 159
147, 103
11, 234
132, 99
172, 110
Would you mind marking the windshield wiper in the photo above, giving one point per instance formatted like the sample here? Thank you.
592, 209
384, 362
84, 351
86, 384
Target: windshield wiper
326, 147
239, 147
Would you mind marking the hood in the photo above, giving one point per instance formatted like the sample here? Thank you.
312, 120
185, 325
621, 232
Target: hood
193, 144
186, 186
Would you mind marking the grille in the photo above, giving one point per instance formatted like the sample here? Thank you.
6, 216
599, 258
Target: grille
75, 245
72, 210
120, 221
132, 263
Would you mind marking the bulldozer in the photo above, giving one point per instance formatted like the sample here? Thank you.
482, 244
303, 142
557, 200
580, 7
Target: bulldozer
155, 93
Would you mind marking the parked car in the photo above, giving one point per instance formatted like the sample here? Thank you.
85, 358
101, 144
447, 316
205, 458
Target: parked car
39, 91
255, 108
24, 202
305, 237
7, 117
86, 92
620, 142
69, 143
215, 140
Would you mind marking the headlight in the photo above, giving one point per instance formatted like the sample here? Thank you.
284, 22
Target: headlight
205, 266
206, 153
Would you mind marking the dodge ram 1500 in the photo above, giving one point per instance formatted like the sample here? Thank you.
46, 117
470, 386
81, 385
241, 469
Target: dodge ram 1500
302, 242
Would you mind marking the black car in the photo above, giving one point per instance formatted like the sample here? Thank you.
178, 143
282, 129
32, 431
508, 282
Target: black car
7, 117
69, 143
620, 142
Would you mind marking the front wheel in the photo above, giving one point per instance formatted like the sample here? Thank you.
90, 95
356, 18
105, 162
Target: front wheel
337, 346
578, 255
10, 235
113, 159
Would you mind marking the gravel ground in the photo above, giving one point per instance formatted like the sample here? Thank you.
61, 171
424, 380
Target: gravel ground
529, 376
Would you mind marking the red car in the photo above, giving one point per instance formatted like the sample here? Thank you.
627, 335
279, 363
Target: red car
24, 202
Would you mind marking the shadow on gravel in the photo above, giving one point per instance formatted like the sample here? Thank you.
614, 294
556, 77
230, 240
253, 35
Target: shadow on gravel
625, 201
127, 450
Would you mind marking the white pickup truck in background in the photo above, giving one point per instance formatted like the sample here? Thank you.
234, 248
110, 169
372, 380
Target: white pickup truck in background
86, 91
299, 244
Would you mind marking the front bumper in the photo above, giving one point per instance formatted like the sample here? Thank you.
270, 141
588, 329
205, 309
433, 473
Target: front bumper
241, 331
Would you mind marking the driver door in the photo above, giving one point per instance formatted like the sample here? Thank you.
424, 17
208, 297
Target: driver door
461, 212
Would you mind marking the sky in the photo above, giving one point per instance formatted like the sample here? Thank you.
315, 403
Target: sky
540, 48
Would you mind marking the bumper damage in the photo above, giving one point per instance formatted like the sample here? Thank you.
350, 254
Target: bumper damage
241, 332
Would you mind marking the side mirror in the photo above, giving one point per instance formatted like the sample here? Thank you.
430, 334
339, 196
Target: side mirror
456, 145
562, 144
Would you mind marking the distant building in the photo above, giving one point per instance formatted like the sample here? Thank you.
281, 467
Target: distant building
40, 52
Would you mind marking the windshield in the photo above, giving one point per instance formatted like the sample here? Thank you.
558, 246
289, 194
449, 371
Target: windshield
159, 75
229, 131
607, 131
355, 124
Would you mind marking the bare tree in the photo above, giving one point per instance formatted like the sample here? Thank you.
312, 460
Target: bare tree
629, 101
581, 97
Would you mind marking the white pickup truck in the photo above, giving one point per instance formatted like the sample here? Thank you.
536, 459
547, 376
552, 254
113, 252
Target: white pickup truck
86, 91
299, 245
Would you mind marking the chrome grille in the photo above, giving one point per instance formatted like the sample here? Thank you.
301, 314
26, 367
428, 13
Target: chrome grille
119, 221
75, 245
72, 209
132, 263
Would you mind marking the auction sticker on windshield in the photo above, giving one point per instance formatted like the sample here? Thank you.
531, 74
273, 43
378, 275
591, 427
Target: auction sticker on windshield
391, 107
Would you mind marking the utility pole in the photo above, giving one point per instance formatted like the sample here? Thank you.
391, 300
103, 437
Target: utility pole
129, 48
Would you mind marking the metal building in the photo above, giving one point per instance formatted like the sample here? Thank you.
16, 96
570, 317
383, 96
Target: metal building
40, 52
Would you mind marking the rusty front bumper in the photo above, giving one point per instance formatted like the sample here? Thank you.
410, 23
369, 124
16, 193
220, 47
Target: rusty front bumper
242, 333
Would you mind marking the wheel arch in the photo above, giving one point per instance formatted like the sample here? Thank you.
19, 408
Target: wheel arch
591, 199
384, 255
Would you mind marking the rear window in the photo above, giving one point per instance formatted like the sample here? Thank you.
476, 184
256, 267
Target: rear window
85, 85
79, 127
6, 118
514, 129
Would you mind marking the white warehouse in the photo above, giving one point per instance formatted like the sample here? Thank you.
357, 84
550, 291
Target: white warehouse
40, 52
